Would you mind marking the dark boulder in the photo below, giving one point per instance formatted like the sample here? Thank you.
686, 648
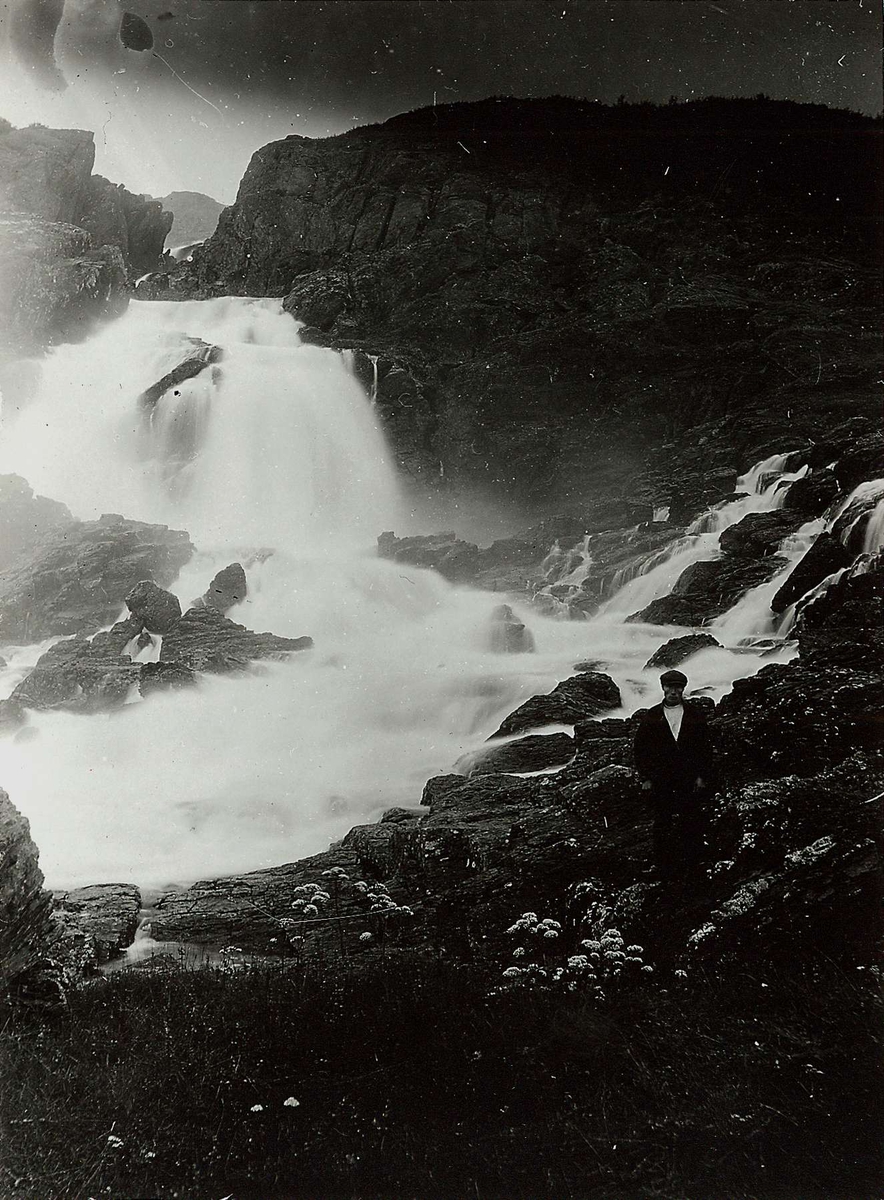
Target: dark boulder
824, 557
585, 695
759, 534
79, 675
812, 495
157, 609
705, 590
678, 650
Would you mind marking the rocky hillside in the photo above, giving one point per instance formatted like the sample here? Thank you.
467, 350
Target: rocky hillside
70, 241
195, 216
551, 299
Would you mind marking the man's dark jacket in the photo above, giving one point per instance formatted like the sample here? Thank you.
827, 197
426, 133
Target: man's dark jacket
673, 766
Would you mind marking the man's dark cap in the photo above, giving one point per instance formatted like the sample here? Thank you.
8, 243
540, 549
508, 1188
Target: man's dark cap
674, 677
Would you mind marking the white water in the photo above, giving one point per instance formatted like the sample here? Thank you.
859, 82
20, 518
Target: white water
279, 452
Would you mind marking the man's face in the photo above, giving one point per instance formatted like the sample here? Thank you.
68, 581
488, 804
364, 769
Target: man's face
673, 693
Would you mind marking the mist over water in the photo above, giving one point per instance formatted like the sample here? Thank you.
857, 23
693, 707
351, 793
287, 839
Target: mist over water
274, 450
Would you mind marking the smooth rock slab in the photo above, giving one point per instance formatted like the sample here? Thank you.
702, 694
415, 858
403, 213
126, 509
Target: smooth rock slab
534, 753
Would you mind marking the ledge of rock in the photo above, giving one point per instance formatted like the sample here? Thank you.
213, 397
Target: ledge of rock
705, 590
205, 640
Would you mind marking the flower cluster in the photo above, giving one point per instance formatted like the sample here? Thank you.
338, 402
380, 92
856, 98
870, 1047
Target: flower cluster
600, 963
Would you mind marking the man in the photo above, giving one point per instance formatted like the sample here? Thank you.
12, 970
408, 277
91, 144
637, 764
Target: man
673, 755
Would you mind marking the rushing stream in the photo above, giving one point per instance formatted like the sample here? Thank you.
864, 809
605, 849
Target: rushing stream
278, 450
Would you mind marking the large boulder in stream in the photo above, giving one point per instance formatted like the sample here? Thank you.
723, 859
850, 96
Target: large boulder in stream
197, 358
229, 587
77, 579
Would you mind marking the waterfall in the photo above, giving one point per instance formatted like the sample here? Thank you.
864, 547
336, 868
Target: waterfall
273, 457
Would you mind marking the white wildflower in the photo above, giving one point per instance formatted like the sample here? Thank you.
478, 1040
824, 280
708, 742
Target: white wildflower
257, 1108
291, 1103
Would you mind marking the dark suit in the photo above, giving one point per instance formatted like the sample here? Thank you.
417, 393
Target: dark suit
673, 768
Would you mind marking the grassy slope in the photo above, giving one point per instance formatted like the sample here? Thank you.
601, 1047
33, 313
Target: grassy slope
418, 1077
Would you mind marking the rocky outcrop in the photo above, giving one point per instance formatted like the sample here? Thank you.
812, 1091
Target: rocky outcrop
136, 225
26, 519
526, 754
27, 932
46, 172
705, 590
104, 916
55, 283
78, 580
444, 552
842, 626
96, 674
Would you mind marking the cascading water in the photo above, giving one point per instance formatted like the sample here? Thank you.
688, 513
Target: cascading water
761, 489
273, 458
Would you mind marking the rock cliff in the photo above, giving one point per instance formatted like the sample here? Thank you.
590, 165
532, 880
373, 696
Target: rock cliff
488, 263
70, 241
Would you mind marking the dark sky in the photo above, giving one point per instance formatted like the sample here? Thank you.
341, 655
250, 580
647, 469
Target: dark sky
225, 76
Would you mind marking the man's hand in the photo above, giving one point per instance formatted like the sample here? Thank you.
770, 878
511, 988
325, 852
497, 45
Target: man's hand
701, 783
646, 786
